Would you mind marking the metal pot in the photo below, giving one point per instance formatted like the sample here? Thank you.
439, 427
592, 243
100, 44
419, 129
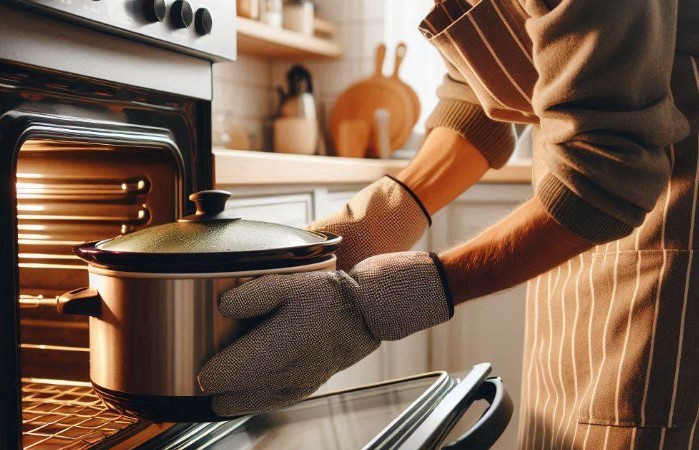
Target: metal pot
153, 302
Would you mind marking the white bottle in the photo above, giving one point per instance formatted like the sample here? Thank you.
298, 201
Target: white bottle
271, 12
299, 16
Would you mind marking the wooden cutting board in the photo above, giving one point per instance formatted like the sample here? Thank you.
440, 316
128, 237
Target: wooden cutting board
362, 99
401, 51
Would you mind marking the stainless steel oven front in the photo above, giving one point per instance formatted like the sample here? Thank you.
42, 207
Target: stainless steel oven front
105, 115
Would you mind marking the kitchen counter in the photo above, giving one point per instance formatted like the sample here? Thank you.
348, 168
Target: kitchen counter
250, 168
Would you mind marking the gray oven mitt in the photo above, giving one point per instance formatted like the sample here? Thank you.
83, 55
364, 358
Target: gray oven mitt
384, 217
318, 323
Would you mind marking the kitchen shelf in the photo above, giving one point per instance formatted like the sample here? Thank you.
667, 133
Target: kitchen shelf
259, 39
253, 168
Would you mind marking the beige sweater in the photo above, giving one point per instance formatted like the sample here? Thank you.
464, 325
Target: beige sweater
600, 99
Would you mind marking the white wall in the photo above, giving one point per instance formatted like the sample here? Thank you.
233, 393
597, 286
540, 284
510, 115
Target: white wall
243, 93
423, 68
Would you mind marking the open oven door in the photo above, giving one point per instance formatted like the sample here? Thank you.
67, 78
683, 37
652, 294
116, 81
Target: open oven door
412, 413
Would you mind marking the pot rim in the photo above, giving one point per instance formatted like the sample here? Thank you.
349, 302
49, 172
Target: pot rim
223, 262
327, 262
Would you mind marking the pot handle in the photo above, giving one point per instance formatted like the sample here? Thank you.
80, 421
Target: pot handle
80, 302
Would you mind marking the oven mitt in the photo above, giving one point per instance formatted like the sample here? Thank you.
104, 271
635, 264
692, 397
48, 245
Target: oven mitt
384, 217
317, 323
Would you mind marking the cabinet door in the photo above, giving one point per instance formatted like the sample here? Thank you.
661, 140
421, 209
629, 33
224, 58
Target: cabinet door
293, 210
490, 329
332, 202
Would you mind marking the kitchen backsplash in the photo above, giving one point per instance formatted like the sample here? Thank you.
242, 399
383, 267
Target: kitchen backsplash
244, 91
244, 100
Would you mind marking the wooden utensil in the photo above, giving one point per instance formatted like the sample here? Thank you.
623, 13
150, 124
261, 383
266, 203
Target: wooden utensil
353, 138
401, 51
295, 135
362, 99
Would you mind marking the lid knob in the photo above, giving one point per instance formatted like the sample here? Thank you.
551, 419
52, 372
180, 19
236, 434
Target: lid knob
210, 206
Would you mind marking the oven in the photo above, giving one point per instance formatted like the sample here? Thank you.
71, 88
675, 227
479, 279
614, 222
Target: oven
104, 129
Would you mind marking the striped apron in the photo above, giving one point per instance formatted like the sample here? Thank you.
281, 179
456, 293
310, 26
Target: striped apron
611, 351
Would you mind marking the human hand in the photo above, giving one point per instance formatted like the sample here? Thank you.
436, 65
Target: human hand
384, 217
316, 324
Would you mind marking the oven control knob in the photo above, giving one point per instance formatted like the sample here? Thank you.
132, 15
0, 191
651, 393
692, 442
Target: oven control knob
203, 22
181, 13
154, 10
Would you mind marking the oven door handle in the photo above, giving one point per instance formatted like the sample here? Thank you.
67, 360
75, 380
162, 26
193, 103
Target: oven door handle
486, 431
430, 434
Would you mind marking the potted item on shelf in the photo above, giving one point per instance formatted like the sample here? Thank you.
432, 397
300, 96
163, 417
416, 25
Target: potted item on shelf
295, 135
296, 128
299, 16
353, 138
249, 8
271, 12
298, 100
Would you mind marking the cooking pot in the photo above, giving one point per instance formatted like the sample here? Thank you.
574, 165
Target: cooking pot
153, 302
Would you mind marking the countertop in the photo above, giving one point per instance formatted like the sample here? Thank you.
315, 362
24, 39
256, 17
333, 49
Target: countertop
251, 168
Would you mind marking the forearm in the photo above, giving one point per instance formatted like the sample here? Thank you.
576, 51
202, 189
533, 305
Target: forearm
525, 244
446, 166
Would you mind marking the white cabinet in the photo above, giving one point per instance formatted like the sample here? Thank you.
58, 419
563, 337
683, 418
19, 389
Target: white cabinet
294, 210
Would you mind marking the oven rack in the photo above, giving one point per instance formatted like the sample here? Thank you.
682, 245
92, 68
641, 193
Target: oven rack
69, 415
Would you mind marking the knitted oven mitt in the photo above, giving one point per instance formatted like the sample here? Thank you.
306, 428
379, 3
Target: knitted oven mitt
384, 217
316, 324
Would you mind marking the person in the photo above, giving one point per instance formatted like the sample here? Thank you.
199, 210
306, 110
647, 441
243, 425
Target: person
612, 91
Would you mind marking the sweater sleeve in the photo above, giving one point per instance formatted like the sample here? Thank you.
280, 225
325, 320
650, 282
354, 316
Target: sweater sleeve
606, 110
459, 109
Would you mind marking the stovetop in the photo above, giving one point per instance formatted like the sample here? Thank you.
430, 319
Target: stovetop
204, 28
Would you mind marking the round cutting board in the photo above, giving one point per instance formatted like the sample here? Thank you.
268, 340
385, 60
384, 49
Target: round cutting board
401, 51
362, 99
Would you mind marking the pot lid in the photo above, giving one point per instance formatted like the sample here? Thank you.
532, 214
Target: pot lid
210, 241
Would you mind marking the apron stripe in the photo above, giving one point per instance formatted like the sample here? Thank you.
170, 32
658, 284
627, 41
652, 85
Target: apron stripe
659, 290
512, 32
529, 343
606, 329
464, 60
691, 434
573, 351
498, 61
541, 364
548, 358
661, 446
606, 438
629, 321
446, 11
589, 339
569, 266
525, 400
532, 363
633, 439
554, 385
540, 373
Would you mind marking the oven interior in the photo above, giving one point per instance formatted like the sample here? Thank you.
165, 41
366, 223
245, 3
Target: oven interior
84, 170
68, 193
